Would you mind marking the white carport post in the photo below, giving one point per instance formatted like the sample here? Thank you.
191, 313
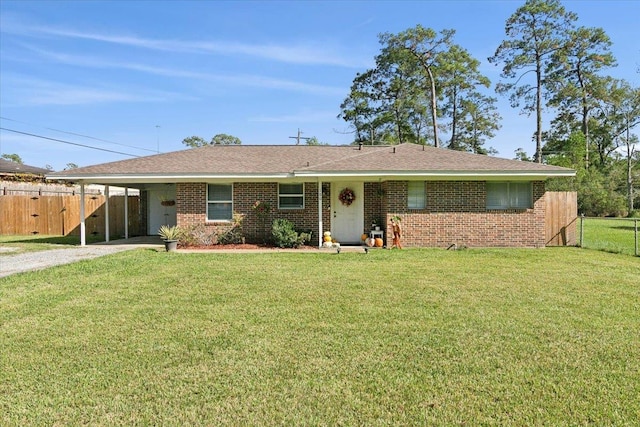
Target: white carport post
320, 214
126, 212
83, 237
106, 213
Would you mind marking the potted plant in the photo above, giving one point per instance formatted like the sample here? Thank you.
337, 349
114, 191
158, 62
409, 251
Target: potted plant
376, 223
170, 235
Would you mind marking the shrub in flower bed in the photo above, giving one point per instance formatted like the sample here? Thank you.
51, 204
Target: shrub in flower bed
199, 235
213, 235
285, 236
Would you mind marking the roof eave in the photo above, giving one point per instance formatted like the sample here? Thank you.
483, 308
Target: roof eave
162, 178
325, 175
441, 175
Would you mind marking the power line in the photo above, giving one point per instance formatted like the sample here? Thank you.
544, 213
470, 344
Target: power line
79, 134
67, 142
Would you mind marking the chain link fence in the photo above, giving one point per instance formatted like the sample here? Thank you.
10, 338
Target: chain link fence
618, 235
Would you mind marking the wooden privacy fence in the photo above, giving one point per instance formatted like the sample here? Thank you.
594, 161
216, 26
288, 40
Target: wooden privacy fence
60, 215
561, 218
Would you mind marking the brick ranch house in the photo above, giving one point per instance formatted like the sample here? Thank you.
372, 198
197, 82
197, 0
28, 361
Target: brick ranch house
442, 196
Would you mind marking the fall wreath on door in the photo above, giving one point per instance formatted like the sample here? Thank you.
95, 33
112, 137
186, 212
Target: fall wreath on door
347, 196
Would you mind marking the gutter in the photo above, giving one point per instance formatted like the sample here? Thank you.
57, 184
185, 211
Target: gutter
439, 175
324, 175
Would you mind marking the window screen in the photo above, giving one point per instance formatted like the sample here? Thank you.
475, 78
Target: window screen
508, 195
416, 195
291, 196
220, 202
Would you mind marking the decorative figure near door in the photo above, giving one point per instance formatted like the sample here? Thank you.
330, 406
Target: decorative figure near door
397, 232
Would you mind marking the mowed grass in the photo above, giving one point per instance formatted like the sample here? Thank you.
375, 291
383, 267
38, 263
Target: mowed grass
413, 337
19, 244
611, 235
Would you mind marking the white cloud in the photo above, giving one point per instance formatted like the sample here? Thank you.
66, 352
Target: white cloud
73, 96
306, 54
37, 92
271, 83
249, 80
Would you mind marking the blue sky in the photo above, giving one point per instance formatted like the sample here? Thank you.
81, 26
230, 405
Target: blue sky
149, 73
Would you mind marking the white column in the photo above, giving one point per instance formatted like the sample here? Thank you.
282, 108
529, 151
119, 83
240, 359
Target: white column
320, 231
126, 212
83, 229
106, 213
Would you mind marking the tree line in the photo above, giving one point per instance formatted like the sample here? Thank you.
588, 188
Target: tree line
426, 89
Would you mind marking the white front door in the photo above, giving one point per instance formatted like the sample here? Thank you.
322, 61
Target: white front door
157, 213
347, 220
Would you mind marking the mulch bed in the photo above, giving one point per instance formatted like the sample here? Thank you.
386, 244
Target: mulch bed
240, 246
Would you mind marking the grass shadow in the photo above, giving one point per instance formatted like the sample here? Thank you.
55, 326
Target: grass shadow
51, 240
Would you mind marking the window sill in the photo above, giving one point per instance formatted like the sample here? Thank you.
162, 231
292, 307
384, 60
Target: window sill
217, 221
509, 209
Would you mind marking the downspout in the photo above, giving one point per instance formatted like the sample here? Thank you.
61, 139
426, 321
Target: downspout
320, 213
106, 213
83, 234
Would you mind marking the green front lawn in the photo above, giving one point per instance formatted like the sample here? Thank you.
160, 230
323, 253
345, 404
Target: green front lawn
612, 235
41, 243
412, 337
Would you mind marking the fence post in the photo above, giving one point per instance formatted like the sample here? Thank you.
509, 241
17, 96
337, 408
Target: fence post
581, 229
635, 234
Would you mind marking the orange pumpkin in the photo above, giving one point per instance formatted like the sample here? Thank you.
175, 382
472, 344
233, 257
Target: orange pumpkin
379, 242
364, 236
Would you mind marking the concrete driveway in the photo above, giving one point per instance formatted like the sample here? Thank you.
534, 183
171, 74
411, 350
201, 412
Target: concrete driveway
29, 261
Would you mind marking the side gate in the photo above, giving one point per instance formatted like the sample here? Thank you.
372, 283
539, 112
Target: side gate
561, 218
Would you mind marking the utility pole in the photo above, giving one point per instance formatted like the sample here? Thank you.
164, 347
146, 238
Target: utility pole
298, 138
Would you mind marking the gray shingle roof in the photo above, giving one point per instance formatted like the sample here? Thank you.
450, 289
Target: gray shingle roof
7, 166
265, 160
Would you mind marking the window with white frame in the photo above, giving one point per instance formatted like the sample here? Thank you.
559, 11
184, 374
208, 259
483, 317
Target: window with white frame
416, 195
219, 202
291, 196
508, 195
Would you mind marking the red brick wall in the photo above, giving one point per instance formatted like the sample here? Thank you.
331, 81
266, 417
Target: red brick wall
456, 212
191, 203
191, 208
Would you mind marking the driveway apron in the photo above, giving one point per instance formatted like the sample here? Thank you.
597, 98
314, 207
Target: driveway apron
30, 261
